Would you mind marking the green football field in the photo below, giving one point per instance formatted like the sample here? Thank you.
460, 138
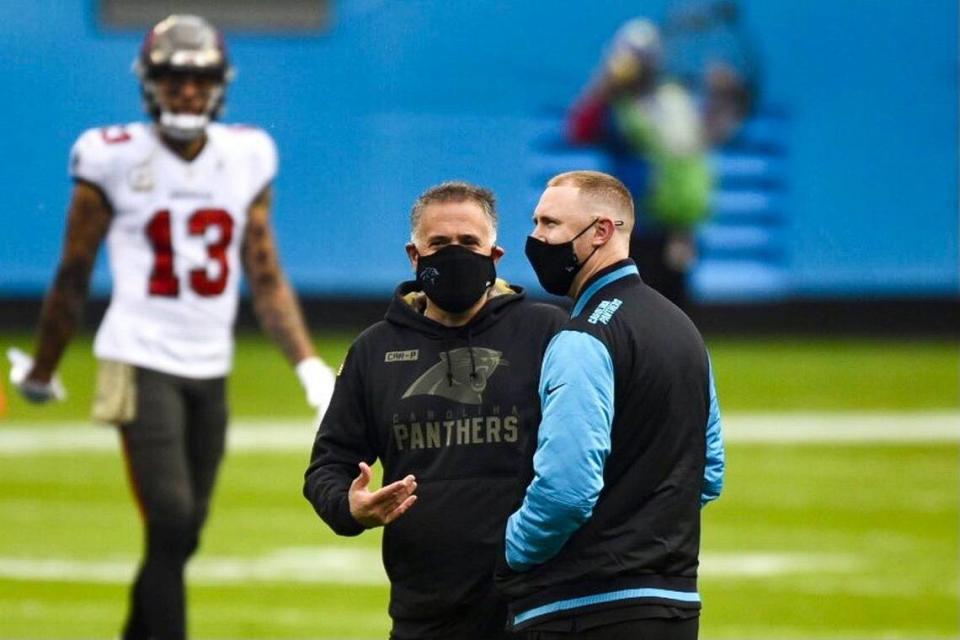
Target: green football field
839, 519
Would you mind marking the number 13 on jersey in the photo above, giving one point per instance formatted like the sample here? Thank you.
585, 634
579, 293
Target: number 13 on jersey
163, 279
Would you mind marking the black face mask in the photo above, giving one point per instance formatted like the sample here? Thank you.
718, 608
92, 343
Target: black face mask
556, 265
455, 277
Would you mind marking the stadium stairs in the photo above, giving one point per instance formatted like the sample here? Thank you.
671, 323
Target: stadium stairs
743, 253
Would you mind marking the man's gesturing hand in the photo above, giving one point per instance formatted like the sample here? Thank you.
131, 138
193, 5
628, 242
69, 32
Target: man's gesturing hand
383, 506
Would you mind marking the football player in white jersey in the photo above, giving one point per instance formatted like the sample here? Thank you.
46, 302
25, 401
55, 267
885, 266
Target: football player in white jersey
183, 202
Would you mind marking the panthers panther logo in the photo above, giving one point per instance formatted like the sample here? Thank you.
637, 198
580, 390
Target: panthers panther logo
464, 388
430, 275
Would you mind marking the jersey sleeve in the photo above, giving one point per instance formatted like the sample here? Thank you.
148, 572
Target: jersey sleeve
89, 158
263, 158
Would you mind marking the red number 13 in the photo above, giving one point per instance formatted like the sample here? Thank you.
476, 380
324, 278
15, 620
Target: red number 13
163, 280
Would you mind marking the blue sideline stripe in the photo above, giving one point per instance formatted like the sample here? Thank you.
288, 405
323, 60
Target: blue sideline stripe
584, 298
600, 598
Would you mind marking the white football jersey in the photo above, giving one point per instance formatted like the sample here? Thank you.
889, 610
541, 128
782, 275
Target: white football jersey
174, 241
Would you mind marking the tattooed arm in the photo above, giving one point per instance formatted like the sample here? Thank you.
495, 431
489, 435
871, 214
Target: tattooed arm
87, 222
273, 299
276, 305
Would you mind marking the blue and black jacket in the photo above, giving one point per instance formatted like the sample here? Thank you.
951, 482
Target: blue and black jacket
628, 451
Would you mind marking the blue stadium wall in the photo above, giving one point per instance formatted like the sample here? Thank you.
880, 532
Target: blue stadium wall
398, 95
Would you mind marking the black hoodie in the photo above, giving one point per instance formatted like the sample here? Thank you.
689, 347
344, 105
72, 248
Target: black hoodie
458, 408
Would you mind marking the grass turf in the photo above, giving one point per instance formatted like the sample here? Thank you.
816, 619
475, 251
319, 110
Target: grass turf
874, 532
873, 529
787, 374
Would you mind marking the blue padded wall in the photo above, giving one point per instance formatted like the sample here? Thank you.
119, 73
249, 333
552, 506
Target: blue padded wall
397, 96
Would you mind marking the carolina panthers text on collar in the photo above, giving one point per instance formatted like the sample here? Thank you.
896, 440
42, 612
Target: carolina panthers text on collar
604, 311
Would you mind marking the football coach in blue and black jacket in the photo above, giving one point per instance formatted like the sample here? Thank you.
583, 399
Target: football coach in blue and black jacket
629, 449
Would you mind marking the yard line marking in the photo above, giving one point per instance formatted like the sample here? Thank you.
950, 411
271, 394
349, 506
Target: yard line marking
341, 565
843, 428
765, 565
307, 565
19, 438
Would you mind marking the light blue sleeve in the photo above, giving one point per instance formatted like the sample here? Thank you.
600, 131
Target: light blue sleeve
576, 396
713, 471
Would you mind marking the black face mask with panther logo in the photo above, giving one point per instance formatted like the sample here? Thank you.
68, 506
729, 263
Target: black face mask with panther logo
455, 277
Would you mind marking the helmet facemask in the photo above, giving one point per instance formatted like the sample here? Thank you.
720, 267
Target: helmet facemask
185, 46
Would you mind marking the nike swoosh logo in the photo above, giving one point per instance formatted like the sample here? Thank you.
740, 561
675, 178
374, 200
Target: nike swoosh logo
549, 391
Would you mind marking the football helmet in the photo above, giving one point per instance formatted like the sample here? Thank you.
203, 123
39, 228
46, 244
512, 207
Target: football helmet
183, 44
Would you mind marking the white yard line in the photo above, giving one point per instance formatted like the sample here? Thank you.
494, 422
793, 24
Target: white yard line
843, 428
340, 565
19, 439
306, 565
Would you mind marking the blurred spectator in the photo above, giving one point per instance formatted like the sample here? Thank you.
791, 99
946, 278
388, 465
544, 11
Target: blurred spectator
655, 136
708, 50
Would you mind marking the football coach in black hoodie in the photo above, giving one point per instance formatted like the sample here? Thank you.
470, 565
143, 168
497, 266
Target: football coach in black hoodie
444, 393
606, 543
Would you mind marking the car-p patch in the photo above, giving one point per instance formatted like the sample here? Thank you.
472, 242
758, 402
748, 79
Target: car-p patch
402, 356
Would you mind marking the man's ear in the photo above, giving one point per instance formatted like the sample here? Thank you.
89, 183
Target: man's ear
496, 253
603, 231
412, 254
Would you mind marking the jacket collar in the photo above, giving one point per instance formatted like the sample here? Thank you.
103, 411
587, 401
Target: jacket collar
616, 271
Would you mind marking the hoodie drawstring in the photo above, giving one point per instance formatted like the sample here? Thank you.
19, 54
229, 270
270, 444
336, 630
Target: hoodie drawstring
446, 349
473, 359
